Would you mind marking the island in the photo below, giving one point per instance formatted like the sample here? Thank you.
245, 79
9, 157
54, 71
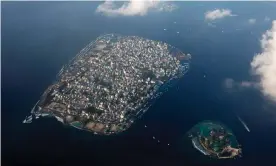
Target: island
111, 83
215, 140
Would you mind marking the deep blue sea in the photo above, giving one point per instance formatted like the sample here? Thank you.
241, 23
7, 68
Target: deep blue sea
37, 38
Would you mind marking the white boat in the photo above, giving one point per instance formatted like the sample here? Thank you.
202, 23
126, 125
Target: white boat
244, 124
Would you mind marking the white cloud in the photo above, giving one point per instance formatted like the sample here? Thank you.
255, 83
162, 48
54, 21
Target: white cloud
211, 25
267, 19
229, 83
134, 7
252, 21
248, 84
218, 14
264, 64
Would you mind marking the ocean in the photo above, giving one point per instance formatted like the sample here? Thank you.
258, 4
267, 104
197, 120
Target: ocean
39, 37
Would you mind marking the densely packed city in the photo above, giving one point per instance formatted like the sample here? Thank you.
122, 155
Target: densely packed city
111, 83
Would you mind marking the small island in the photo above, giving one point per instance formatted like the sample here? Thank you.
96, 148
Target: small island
215, 140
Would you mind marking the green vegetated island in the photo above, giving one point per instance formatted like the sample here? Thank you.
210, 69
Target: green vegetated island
215, 140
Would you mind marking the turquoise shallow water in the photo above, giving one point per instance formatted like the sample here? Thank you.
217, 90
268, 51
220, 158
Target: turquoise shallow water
205, 127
